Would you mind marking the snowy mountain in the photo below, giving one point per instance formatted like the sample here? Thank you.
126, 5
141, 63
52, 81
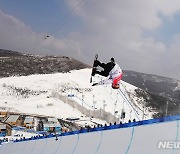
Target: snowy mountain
50, 94
164, 92
56, 90
18, 64
163, 86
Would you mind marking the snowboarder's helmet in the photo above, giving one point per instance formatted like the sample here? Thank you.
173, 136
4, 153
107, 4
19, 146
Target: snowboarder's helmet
112, 59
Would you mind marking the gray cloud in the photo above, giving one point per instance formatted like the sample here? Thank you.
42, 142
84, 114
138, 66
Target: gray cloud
109, 28
115, 28
15, 35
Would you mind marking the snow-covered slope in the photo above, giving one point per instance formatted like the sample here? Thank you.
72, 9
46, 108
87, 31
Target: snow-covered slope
35, 94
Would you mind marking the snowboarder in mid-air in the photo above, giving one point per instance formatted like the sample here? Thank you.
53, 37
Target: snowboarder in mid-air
111, 70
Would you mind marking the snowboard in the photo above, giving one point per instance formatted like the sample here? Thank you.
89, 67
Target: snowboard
95, 58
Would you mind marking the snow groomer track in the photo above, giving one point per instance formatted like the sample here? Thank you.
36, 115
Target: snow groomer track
140, 137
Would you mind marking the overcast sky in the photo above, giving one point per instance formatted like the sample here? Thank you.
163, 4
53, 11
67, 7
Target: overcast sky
142, 35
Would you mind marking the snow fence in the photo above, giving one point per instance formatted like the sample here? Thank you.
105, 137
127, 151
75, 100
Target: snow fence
155, 136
